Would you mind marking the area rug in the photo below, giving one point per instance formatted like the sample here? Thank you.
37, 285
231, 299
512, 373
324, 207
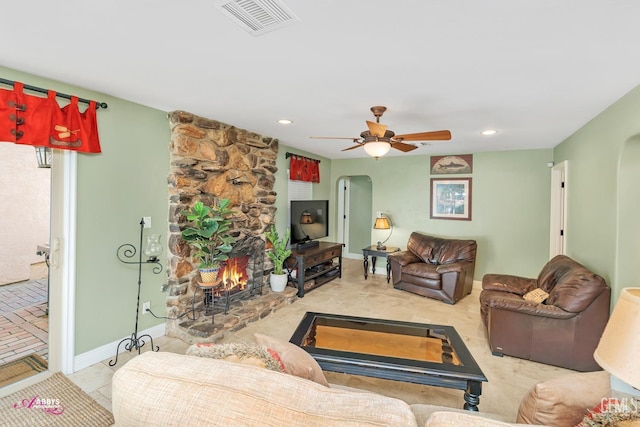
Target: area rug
22, 368
56, 401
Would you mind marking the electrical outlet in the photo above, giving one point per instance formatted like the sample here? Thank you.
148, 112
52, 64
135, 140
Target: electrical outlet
147, 221
146, 307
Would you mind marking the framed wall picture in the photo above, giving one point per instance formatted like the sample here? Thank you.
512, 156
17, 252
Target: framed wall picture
446, 165
451, 198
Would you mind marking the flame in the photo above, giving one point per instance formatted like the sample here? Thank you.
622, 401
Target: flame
234, 274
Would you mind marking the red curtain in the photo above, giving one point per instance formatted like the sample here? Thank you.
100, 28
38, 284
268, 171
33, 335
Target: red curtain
304, 169
32, 120
9, 120
73, 130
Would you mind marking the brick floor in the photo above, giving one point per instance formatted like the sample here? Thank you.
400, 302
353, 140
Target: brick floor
24, 323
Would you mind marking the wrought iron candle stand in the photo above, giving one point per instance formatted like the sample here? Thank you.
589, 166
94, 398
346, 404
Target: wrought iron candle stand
128, 251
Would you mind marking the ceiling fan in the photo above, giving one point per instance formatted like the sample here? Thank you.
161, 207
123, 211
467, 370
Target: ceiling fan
378, 140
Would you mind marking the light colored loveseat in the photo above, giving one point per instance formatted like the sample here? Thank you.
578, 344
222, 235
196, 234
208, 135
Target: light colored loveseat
167, 389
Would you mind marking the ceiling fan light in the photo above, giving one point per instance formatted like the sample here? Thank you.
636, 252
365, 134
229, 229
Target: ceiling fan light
377, 148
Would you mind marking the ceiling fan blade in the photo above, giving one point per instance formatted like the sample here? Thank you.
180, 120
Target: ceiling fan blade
438, 135
351, 148
376, 129
334, 137
403, 147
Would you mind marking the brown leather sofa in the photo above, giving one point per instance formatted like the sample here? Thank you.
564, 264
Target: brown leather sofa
563, 330
435, 267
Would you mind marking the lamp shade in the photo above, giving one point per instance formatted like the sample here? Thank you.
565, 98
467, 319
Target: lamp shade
619, 346
382, 223
377, 148
306, 218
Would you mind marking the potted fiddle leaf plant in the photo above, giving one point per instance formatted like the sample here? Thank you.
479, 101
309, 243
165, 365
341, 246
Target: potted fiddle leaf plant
209, 235
278, 254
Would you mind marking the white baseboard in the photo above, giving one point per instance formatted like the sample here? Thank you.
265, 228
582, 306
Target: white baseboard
379, 269
106, 351
353, 256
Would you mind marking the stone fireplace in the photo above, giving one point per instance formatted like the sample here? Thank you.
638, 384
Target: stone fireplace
210, 160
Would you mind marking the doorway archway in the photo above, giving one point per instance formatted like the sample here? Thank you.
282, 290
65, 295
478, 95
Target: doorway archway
355, 201
62, 239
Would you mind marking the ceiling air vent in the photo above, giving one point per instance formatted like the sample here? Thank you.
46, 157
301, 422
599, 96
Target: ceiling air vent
257, 16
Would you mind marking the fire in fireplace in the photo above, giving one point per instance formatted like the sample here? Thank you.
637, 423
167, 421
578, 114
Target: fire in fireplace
234, 275
241, 275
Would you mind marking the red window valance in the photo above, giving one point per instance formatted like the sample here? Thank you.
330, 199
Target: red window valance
304, 169
33, 120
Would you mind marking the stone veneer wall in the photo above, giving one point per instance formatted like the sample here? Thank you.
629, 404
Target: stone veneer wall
210, 160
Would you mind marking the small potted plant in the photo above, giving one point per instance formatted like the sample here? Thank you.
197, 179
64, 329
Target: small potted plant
278, 254
209, 234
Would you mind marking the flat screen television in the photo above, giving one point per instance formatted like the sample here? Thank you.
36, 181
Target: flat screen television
309, 221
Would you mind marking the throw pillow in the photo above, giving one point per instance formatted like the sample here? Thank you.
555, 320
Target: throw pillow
537, 296
246, 354
296, 361
613, 412
563, 400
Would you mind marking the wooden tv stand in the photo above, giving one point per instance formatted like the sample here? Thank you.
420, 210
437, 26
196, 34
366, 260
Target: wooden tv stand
317, 263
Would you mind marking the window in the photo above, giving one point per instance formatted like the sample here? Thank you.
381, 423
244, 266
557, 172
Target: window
298, 190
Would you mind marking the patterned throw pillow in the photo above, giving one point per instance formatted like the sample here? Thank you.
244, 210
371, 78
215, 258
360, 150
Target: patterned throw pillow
247, 354
296, 361
537, 296
611, 412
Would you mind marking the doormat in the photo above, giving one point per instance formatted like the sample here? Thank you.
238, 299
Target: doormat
22, 368
55, 402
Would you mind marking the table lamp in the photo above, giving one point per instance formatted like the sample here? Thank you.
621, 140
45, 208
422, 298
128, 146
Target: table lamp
619, 346
383, 222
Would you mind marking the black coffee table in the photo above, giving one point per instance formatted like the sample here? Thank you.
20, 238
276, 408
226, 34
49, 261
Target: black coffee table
389, 349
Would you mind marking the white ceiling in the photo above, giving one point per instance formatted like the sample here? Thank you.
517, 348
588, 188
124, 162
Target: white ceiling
535, 70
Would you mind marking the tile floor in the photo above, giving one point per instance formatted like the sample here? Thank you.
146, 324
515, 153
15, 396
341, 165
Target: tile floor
509, 379
24, 324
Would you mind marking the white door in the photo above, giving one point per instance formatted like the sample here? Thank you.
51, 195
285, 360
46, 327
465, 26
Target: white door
63, 258
558, 223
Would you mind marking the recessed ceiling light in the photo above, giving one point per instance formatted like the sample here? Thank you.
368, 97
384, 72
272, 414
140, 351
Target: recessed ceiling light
489, 132
285, 121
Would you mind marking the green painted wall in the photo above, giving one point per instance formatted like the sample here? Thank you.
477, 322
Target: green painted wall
115, 190
628, 253
510, 205
603, 157
360, 202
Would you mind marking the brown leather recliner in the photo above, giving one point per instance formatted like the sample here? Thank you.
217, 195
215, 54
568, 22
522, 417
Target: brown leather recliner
563, 330
435, 267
